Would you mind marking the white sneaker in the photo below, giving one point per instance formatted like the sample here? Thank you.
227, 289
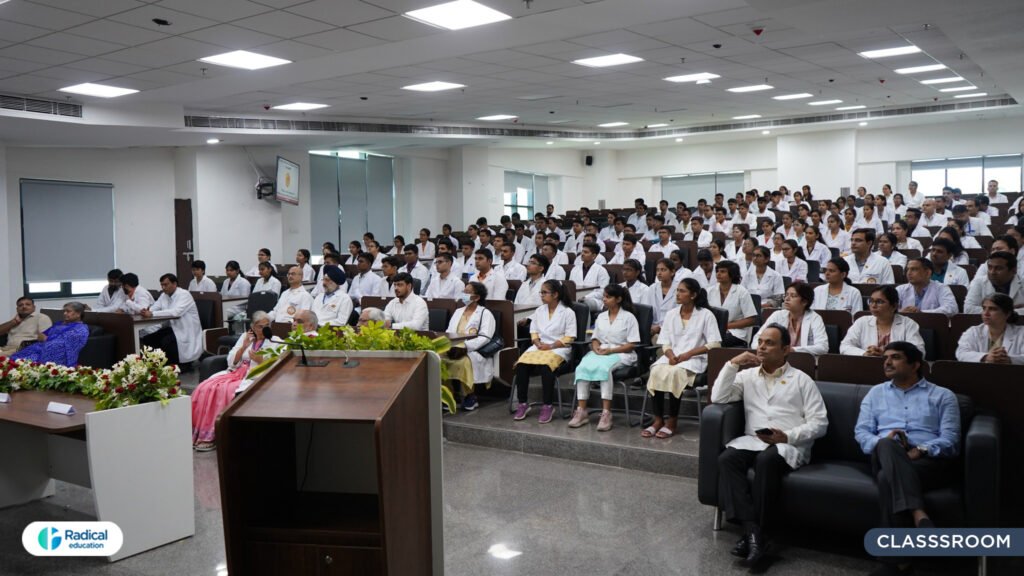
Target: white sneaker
579, 418
605, 423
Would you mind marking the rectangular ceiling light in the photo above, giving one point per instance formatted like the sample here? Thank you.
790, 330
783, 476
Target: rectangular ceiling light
793, 96
609, 60
693, 77
824, 102
754, 88
457, 15
857, 107
747, 117
661, 125
433, 86
302, 106
612, 124
959, 89
919, 69
975, 95
98, 90
942, 80
245, 60
887, 52
497, 117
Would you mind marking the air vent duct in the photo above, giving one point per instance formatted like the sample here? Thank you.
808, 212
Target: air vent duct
40, 106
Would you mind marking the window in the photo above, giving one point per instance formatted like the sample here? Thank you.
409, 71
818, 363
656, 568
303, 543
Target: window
67, 237
690, 188
524, 192
351, 193
970, 174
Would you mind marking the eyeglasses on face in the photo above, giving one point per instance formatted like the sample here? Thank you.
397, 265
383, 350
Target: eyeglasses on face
877, 302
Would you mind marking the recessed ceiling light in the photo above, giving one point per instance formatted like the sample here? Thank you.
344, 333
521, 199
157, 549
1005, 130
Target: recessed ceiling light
754, 88
497, 117
959, 89
887, 52
857, 107
432, 86
609, 60
917, 69
766, 132
612, 124
693, 77
704, 81
660, 125
98, 90
245, 60
597, 143
747, 117
213, 141
793, 96
549, 143
942, 80
975, 95
824, 102
300, 106
679, 139
502, 552
457, 15
863, 124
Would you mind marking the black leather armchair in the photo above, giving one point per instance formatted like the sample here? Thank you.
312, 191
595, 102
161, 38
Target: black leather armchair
211, 365
838, 478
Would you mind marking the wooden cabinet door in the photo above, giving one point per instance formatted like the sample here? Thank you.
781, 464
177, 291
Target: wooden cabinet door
274, 559
340, 561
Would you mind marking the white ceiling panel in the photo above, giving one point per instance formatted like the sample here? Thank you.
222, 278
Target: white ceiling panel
183, 49
144, 57
42, 16
736, 16
550, 48
75, 44
283, 24
99, 9
680, 31
340, 40
116, 31
41, 55
395, 29
340, 13
163, 77
70, 76
28, 84
181, 22
219, 10
229, 36
106, 67
294, 51
280, 4
14, 32
20, 66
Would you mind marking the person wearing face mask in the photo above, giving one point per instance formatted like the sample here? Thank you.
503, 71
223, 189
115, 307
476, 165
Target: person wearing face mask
332, 306
136, 298
470, 368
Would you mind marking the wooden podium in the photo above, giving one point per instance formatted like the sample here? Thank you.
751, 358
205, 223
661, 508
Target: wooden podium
335, 470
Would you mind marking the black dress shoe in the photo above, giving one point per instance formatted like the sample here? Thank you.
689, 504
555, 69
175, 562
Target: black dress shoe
758, 548
742, 547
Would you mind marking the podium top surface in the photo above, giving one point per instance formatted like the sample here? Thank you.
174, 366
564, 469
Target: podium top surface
333, 392
28, 407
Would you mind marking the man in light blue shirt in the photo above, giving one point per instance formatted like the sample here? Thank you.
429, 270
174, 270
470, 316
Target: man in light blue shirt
921, 294
911, 429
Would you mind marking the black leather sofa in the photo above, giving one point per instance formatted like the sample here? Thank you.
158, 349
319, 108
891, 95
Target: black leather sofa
835, 491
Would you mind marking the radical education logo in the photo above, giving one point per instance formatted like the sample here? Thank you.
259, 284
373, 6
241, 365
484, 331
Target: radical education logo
72, 538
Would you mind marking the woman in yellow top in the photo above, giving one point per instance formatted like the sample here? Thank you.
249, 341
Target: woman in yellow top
552, 329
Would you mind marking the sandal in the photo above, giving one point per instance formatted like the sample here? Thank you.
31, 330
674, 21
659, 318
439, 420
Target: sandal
206, 447
665, 432
648, 432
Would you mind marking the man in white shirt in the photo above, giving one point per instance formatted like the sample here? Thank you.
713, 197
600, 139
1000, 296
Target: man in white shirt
529, 291
365, 282
332, 306
27, 325
136, 299
970, 226
866, 267
555, 271
464, 261
445, 283
1002, 278
111, 296
913, 198
920, 294
497, 286
976, 211
200, 283
574, 240
913, 219
552, 228
721, 222
668, 218
744, 216
295, 298
484, 241
929, 217
778, 202
262, 256
994, 197
762, 210
631, 250
683, 220
590, 274
654, 223
698, 234
406, 310
639, 218
665, 245
414, 268
785, 414
508, 266
945, 270
182, 339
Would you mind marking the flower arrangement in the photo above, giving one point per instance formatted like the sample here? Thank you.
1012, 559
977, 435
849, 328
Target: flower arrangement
137, 379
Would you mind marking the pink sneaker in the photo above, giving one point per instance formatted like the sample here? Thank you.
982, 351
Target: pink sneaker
579, 418
605, 423
521, 411
546, 413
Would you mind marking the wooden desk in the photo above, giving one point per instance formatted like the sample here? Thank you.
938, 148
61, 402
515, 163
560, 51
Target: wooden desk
523, 311
142, 481
351, 457
139, 324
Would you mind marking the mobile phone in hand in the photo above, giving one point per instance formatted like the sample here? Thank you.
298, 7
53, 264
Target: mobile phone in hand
763, 432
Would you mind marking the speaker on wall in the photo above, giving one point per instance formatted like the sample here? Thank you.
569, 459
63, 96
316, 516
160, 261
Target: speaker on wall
589, 160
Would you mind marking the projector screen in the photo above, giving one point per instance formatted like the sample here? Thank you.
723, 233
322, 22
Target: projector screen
287, 181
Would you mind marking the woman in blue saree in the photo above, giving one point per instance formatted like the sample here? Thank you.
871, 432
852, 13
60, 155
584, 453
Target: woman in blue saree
62, 342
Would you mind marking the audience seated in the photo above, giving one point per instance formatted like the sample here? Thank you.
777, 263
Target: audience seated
728, 294
263, 255
466, 365
869, 335
444, 283
661, 294
181, 339
487, 275
60, 343
406, 310
332, 305
200, 282
234, 286
1001, 279
365, 282
26, 327
136, 298
592, 274
295, 298
920, 294
267, 281
806, 328
552, 330
111, 297
998, 339
838, 292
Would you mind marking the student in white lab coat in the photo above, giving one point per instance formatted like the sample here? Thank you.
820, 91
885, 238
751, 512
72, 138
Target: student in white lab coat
444, 283
805, 326
632, 272
998, 339
792, 265
869, 335
267, 282
728, 294
111, 297
497, 286
837, 293
697, 233
471, 369
734, 247
946, 271
867, 267
302, 257
552, 329
763, 281
887, 249
332, 306
664, 245
235, 286
182, 339
1001, 278
814, 249
631, 249
661, 294
705, 270
413, 266
616, 333
406, 309
425, 247
200, 283
365, 282
835, 236
903, 239
262, 256
529, 291
136, 298
295, 298
591, 274
509, 267
690, 330
555, 271
869, 220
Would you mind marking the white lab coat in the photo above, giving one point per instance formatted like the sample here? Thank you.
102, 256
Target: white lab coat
739, 305
573, 243
706, 281
333, 309
981, 274
308, 273
660, 303
240, 288
974, 343
876, 268
482, 324
841, 241
864, 333
187, 329
978, 291
529, 292
427, 250
820, 253
412, 313
141, 300
366, 284
596, 276
639, 221
665, 251
107, 302
796, 272
703, 239
637, 254
551, 327
813, 338
700, 330
875, 224
623, 331
957, 276
289, 303
938, 298
206, 285
418, 272
449, 288
497, 286
270, 285
556, 273
637, 292
511, 270
913, 200
750, 220
850, 299
768, 286
911, 244
793, 405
